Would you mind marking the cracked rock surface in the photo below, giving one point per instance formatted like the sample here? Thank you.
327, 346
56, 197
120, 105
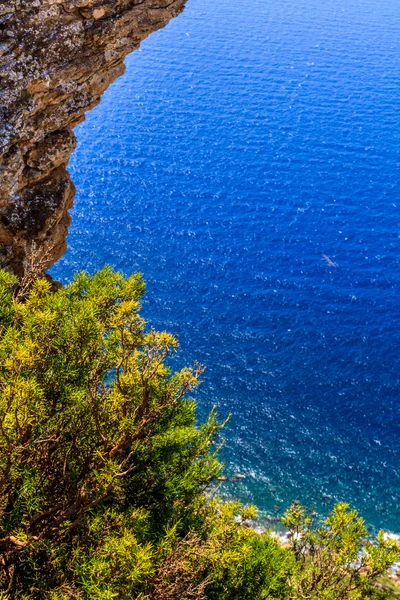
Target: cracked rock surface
57, 57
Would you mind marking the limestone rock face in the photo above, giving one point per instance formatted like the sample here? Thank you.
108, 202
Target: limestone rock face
56, 59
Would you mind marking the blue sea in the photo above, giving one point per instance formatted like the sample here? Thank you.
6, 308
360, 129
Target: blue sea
248, 164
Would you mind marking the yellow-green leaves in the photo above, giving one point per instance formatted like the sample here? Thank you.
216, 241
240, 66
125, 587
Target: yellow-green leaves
104, 470
332, 559
91, 420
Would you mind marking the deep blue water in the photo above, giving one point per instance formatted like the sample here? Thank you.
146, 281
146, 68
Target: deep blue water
245, 140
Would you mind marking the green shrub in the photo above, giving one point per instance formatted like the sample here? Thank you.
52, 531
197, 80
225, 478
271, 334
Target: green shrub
333, 559
104, 470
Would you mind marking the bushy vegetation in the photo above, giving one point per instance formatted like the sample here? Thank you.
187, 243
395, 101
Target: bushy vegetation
105, 474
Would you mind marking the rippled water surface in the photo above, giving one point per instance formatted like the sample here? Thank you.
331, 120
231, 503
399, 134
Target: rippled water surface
245, 141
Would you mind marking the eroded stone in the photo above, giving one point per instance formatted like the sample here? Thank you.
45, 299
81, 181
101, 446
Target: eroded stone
57, 58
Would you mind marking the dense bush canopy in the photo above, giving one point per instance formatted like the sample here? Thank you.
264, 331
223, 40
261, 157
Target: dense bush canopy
105, 474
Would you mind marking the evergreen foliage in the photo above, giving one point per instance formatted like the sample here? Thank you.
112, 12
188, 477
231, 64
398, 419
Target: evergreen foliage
105, 473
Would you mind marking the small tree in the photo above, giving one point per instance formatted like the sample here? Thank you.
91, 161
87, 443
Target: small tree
92, 425
104, 470
333, 559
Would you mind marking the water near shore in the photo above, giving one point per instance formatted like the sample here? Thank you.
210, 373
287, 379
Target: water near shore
247, 140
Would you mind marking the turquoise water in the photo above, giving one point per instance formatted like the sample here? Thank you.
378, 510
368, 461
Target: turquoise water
246, 140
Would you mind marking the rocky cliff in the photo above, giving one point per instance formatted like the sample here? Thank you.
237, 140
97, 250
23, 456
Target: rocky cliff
56, 59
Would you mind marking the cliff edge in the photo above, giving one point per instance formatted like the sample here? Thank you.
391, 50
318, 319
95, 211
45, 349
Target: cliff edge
57, 57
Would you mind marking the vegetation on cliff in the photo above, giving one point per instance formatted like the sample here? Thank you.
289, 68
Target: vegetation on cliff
105, 473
